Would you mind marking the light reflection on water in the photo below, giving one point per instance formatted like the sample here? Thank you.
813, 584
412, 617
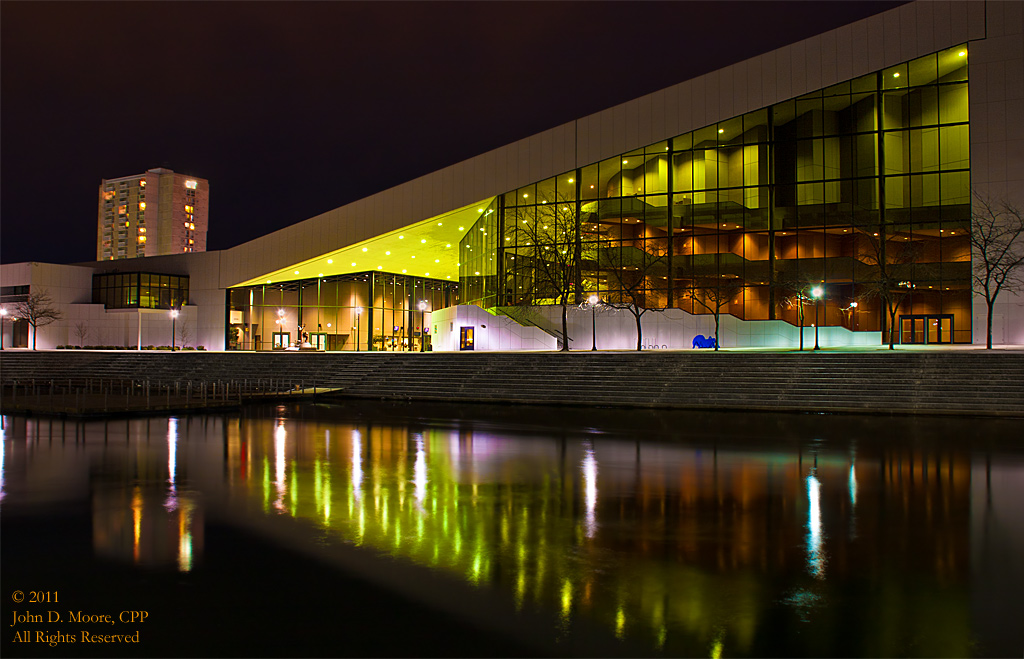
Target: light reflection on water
688, 547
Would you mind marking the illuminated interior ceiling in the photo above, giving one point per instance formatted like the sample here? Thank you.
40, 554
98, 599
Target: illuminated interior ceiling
426, 249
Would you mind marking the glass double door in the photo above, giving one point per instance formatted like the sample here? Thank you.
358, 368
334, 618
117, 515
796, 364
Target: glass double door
926, 329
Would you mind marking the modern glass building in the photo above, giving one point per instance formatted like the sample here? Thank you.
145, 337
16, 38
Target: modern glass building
830, 183
842, 188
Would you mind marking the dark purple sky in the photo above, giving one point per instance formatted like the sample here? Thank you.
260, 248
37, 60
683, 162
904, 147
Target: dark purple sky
291, 109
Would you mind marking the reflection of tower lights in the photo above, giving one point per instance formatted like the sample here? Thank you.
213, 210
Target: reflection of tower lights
815, 555
136, 521
172, 462
590, 490
185, 536
279, 467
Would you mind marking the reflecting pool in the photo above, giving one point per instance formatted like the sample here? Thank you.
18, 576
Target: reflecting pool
432, 530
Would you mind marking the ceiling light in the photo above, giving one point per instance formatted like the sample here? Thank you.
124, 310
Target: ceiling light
401, 237
387, 253
380, 267
448, 245
962, 53
320, 274
479, 210
721, 130
404, 271
329, 261
423, 240
461, 229
896, 75
572, 181
364, 249
625, 162
296, 272
353, 264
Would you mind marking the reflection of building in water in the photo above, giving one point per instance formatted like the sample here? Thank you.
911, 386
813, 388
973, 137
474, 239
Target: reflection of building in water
677, 545
134, 524
153, 521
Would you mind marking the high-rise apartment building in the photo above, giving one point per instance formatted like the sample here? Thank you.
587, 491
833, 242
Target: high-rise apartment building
158, 212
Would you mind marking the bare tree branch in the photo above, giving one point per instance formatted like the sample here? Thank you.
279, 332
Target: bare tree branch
38, 310
543, 264
714, 294
997, 246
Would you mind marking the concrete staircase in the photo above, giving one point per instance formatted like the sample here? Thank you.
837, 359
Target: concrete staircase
939, 382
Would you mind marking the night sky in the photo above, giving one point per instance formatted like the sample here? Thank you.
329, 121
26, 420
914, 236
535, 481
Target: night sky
292, 109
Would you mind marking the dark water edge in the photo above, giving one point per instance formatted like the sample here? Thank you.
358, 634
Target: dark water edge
254, 594
297, 607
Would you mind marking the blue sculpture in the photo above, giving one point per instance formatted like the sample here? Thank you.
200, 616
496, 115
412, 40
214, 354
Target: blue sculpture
701, 341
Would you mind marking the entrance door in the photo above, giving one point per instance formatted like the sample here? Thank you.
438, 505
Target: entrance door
318, 341
926, 329
282, 340
465, 338
911, 329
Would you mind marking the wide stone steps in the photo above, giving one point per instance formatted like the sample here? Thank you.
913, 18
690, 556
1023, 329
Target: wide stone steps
900, 381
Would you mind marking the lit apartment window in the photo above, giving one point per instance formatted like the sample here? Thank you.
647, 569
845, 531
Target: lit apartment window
191, 185
142, 183
122, 209
189, 209
142, 205
108, 195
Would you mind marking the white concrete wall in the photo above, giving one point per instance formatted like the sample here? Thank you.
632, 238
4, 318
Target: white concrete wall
70, 287
997, 143
489, 332
674, 329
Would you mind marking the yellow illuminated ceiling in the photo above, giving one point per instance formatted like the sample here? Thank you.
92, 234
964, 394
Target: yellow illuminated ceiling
426, 249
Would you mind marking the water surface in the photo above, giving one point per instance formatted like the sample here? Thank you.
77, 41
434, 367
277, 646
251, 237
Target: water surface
384, 529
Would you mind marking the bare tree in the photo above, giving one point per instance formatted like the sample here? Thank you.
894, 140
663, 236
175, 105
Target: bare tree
39, 310
892, 261
629, 270
81, 331
997, 244
714, 293
544, 264
633, 263
185, 333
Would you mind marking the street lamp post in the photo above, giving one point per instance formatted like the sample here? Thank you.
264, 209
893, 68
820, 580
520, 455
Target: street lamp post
359, 312
816, 293
593, 301
422, 306
174, 318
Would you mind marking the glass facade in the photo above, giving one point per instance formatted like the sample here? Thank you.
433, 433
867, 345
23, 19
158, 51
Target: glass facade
133, 290
358, 311
850, 188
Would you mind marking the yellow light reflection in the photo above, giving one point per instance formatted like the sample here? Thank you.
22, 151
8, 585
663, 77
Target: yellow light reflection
185, 536
136, 521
